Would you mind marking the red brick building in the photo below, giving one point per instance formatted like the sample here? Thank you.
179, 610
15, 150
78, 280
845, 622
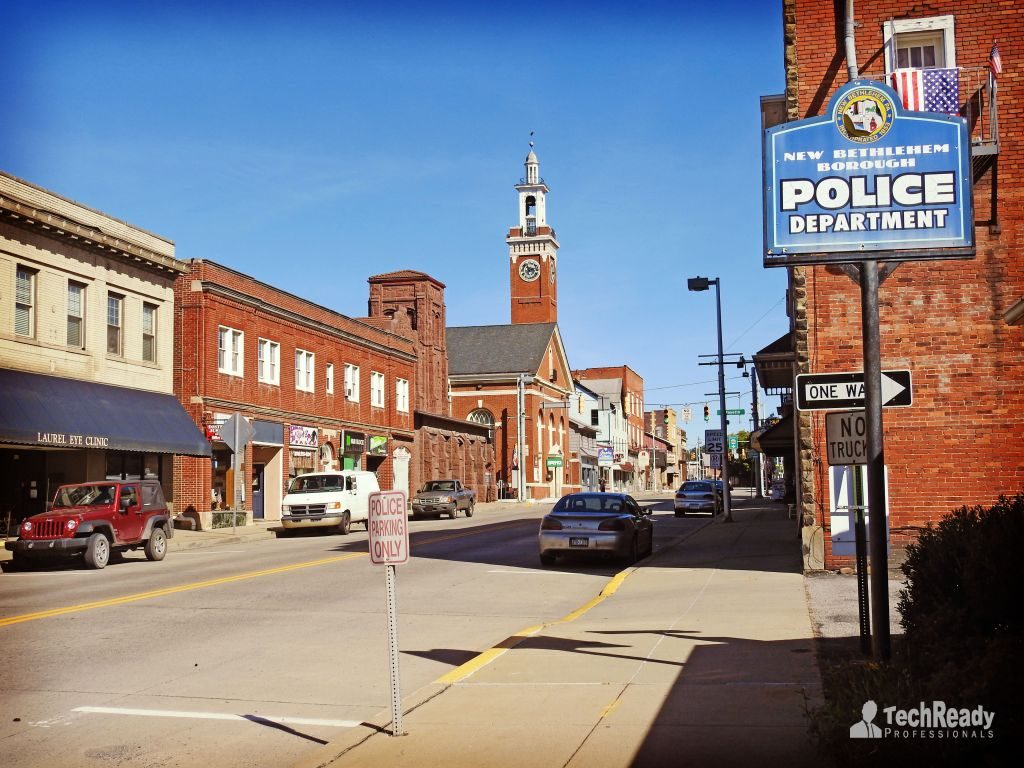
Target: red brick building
411, 304
319, 389
955, 324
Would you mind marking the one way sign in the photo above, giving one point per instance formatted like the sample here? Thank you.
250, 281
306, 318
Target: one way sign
834, 391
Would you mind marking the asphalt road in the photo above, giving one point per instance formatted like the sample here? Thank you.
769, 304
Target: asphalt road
255, 654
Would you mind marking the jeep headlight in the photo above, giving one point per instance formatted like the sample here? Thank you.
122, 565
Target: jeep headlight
27, 526
72, 524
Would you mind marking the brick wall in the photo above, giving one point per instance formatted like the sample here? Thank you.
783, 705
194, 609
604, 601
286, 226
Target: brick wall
960, 442
210, 296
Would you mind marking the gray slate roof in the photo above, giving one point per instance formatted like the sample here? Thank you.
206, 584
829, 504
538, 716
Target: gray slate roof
482, 349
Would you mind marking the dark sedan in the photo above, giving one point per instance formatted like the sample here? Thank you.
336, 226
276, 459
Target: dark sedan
601, 523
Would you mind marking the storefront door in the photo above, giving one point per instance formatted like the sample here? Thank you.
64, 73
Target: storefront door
258, 471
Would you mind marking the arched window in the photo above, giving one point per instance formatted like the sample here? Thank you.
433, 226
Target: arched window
482, 416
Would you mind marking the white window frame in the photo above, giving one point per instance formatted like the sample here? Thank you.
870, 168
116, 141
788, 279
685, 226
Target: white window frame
402, 395
150, 332
376, 389
115, 300
330, 378
938, 26
305, 370
79, 318
352, 382
230, 351
268, 363
25, 300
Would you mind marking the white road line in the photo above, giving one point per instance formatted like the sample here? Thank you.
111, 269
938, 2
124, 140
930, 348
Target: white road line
538, 573
217, 716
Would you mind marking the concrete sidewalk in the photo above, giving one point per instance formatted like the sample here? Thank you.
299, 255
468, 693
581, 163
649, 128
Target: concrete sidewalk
701, 655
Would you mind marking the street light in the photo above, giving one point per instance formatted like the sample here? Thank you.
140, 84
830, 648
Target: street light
702, 284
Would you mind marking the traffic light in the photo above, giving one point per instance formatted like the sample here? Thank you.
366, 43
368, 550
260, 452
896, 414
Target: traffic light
707, 413
665, 417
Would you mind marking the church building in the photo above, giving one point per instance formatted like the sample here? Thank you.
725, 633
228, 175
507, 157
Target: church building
516, 378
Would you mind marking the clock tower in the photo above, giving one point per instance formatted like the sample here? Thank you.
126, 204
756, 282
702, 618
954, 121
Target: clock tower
533, 253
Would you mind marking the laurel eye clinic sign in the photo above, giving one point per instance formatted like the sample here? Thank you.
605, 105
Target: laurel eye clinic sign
867, 179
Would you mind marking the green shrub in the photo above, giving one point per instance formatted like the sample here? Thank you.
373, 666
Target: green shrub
223, 518
963, 616
963, 609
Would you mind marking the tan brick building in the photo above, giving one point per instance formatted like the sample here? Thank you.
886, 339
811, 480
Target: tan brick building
86, 350
953, 324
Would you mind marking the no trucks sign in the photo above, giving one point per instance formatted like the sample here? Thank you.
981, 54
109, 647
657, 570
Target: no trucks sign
387, 525
867, 180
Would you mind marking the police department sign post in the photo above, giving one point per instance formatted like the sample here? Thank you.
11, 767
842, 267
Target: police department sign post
869, 182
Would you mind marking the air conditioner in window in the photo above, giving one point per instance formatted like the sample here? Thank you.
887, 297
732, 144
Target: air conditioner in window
348, 392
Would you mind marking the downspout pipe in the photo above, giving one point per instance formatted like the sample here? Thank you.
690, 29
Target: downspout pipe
851, 48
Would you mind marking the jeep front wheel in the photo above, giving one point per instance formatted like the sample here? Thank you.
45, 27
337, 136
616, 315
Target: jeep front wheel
97, 551
156, 545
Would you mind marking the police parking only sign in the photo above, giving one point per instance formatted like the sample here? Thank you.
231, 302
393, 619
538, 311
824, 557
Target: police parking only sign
867, 180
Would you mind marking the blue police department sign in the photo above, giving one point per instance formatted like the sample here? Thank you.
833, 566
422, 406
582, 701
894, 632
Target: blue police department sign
867, 180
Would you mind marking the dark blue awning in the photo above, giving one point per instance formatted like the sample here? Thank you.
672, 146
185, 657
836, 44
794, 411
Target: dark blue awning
52, 412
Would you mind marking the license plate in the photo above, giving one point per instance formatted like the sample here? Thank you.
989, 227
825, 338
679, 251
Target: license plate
579, 541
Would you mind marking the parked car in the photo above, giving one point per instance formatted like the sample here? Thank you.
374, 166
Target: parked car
327, 500
698, 496
599, 523
97, 520
443, 497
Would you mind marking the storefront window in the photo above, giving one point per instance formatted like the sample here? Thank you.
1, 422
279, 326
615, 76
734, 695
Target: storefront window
125, 465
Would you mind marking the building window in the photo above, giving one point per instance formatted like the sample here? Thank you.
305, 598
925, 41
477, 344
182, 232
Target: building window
230, 355
482, 416
24, 302
402, 395
919, 43
330, 379
269, 355
305, 370
115, 312
149, 333
376, 389
76, 315
594, 417
352, 382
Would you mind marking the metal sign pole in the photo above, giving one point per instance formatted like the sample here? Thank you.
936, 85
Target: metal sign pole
881, 646
397, 729
236, 492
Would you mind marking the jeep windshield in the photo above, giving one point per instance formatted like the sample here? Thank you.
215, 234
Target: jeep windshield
439, 485
84, 496
315, 483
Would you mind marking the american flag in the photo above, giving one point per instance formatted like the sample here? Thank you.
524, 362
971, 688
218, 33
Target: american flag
995, 61
928, 90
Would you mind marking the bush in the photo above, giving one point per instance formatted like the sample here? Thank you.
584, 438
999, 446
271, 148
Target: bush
963, 609
223, 518
963, 616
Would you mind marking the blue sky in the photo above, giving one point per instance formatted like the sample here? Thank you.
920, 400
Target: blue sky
312, 145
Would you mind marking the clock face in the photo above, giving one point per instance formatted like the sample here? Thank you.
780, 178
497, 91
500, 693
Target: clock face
529, 270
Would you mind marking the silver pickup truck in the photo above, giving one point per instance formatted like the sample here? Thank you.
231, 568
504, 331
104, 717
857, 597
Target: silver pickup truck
443, 497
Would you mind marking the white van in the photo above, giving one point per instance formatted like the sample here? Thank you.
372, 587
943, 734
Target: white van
328, 499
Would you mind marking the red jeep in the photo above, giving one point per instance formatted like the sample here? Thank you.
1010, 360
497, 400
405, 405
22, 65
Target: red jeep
97, 519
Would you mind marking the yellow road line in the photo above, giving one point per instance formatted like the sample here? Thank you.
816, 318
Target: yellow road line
482, 660
5, 622
174, 590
